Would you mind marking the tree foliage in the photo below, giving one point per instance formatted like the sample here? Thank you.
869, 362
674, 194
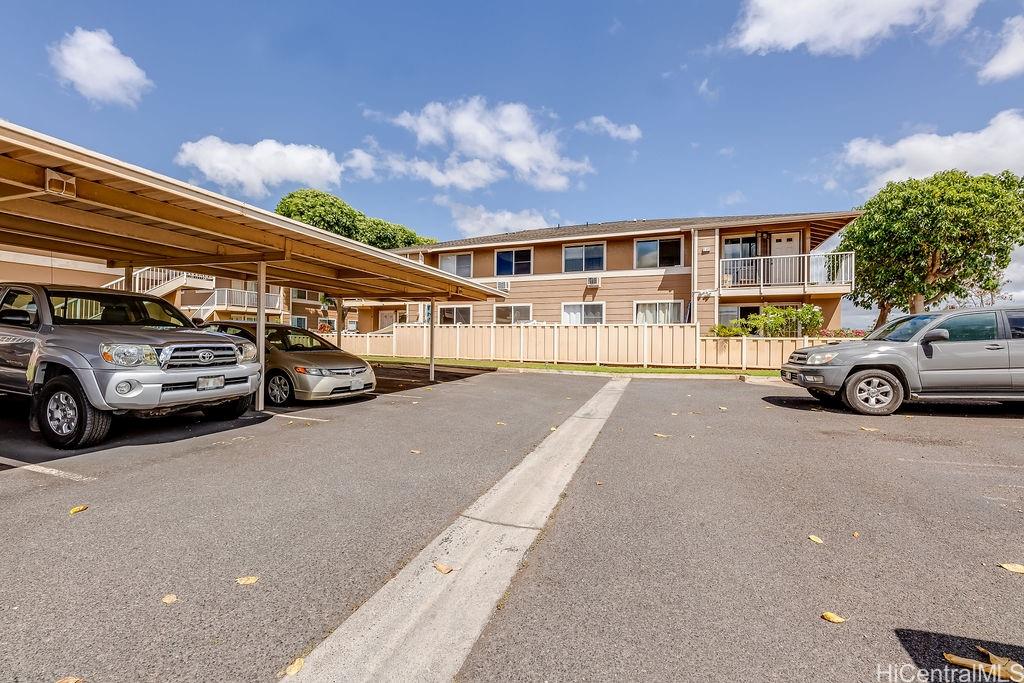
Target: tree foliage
776, 321
325, 211
922, 241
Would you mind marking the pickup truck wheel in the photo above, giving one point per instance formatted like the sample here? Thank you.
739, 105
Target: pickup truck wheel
279, 389
229, 410
66, 418
873, 392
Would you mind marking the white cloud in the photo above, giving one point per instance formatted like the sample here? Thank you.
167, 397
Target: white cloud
97, 69
733, 198
477, 220
602, 125
254, 168
1015, 275
994, 148
842, 27
705, 90
615, 27
362, 164
727, 152
484, 144
1008, 61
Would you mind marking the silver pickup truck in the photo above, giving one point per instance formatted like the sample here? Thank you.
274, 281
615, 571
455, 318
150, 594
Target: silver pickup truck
84, 355
962, 355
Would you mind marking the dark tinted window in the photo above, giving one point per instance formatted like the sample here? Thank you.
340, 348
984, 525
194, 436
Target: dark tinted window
670, 253
112, 308
972, 327
1016, 319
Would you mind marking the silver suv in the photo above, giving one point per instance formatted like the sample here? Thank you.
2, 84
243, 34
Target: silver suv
85, 354
965, 354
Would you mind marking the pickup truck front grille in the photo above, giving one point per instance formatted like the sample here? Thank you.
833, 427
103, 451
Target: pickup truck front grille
198, 356
798, 358
185, 386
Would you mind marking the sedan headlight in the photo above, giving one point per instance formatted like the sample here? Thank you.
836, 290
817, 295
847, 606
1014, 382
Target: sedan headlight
821, 358
129, 355
311, 371
246, 352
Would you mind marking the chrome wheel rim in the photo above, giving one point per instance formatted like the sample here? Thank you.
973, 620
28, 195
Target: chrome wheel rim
875, 392
277, 389
62, 413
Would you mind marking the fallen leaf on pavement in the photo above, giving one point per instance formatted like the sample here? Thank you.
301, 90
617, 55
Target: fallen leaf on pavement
246, 580
415, 452
815, 539
693, 436
500, 423
71, 679
1011, 567
295, 667
997, 668
696, 412
723, 408
856, 534
662, 436
554, 428
78, 508
833, 617
869, 429
675, 413
599, 483
169, 599
443, 568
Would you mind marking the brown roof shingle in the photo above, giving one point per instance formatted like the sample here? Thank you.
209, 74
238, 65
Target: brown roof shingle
628, 227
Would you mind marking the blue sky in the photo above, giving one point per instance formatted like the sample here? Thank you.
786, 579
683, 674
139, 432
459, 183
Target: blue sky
464, 117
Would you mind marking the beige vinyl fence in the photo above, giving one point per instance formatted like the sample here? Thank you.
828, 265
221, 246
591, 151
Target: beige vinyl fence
663, 345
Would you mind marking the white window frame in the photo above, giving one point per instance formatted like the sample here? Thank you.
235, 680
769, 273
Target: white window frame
583, 311
682, 310
457, 254
659, 240
513, 249
736, 235
333, 321
299, 298
303, 318
441, 307
494, 313
584, 272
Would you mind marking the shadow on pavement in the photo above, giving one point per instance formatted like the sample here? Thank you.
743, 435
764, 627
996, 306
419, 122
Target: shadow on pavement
926, 649
1013, 411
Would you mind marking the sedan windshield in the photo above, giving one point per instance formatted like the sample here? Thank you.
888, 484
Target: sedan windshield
297, 339
113, 308
902, 329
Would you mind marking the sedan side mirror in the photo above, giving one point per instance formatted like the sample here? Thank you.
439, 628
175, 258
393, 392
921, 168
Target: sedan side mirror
938, 334
17, 317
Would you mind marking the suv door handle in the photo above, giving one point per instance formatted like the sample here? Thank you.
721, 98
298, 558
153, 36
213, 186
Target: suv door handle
994, 347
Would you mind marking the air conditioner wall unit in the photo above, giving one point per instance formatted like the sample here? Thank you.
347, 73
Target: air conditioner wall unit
593, 282
503, 286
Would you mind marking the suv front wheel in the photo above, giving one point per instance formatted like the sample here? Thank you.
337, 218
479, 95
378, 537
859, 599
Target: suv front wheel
873, 392
66, 418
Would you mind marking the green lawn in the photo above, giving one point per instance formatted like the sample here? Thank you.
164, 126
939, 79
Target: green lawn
632, 369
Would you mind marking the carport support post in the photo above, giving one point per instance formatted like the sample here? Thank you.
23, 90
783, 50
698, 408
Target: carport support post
433, 315
261, 328
129, 275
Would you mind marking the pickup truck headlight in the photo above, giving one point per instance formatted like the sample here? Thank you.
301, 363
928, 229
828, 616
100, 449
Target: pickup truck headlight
246, 352
129, 355
821, 358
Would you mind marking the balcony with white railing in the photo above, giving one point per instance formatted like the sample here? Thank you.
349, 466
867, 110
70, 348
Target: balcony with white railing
223, 299
825, 273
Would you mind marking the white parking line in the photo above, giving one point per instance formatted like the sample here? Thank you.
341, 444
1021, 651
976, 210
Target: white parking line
422, 624
40, 469
959, 464
293, 416
382, 393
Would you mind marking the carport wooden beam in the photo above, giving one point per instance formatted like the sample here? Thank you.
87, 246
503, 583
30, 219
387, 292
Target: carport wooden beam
199, 260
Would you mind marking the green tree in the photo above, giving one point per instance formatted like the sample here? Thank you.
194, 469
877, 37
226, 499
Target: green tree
326, 211
920, 242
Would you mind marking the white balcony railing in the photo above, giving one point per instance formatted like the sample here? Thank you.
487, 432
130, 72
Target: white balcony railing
834, 269
241, 298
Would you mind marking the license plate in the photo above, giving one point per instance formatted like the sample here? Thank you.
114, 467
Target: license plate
357, 384
211, 382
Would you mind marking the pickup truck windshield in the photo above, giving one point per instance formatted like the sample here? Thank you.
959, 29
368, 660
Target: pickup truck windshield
902, 329
113, 308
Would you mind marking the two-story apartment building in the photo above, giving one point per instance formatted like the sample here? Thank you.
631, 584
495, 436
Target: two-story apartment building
709, 270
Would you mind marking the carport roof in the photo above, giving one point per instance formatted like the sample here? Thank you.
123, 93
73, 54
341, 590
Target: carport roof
63, 198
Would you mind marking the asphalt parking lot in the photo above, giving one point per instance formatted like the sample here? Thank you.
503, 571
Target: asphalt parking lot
679, 550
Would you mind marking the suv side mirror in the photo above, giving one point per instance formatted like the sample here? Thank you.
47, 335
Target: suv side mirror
938, 334
198, 322
16, 316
